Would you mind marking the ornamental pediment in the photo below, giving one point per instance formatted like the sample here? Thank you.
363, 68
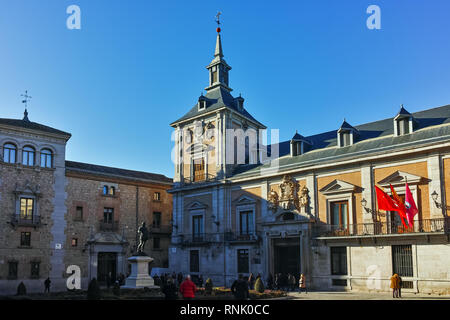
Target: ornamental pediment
338, 186
244, 200
196, 205
400, 177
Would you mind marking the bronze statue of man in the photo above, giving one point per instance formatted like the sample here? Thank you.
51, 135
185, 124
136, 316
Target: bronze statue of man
143, 232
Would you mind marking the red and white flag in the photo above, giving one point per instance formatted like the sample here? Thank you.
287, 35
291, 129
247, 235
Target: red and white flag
410, 205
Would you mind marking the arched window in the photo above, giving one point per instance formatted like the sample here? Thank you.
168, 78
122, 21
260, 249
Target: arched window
9, 153
46, 158
105, 190
28, 156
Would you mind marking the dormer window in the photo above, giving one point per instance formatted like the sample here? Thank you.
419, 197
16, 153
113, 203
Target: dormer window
201, 103
346, 135
345, 139
240, 103
403, 122
298, 144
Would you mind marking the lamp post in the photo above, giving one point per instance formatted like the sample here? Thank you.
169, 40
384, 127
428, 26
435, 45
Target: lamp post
375, 214
439, 205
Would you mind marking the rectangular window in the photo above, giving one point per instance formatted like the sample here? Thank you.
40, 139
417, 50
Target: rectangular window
197, 227
79, 213
403, 126
12, 269
74, 242
9, 153
156, 219
339, 213
242, 261
345, 139
199, 169
402, 262
194, 261
35, 269
108, 215
246, 222
157, 196
156, 243
25, 239
338, 260
26, 208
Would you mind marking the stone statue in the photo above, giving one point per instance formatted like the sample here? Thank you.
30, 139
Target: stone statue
272, 201
143, 237
304, 197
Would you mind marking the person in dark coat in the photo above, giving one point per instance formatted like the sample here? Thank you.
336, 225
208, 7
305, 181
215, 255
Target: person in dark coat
200, 281
270, 282
47, 285
180, 279
170, 290
239, 288
251, 281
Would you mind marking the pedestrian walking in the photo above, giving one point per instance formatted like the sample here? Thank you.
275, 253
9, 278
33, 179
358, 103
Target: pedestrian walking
270, 282
395, 284
302, 283
239, 288
170, 290
188, 288
400, 282
47, 283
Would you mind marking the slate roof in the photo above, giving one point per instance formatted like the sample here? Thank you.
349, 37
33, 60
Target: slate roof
216, 98
116, 172
374, 137
32, 125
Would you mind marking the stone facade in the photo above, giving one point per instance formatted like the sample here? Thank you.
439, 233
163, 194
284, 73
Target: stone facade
313, 208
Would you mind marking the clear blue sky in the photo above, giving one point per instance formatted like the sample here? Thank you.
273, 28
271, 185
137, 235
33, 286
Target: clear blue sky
135, 66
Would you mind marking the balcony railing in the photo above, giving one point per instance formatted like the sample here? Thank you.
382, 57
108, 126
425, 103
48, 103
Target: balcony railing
206, 177
29, 221
382, 228
209, 238
241, 236
108, 226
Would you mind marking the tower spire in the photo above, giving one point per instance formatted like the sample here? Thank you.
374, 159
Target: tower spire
218, 68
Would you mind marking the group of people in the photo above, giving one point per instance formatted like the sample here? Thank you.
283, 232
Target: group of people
172, 284
396, 286
286, 282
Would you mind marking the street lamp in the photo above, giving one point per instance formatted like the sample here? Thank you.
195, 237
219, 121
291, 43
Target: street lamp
439, 205
375, 214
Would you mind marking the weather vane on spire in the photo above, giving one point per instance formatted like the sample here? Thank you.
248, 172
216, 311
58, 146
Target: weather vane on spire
27, 98
218, 21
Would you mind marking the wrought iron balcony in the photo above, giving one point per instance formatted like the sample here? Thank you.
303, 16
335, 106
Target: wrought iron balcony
382, 228
28, 221
206, 177
241, 236
108, 226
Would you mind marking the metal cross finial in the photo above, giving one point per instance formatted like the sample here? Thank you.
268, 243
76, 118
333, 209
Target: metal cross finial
218, 17
27, 98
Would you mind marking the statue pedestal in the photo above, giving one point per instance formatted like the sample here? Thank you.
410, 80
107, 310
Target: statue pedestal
139, 277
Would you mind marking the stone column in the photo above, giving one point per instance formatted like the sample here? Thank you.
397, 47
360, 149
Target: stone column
434, 165
311, 185
367, 184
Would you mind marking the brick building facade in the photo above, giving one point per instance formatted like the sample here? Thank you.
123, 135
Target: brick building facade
56, 213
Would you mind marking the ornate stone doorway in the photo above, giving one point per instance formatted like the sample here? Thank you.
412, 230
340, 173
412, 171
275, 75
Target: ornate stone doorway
287, 256
107, 265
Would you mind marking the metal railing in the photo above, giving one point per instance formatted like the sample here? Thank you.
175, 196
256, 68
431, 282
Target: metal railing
108, 226
30, 221
209, 238
206, 177
381, 228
